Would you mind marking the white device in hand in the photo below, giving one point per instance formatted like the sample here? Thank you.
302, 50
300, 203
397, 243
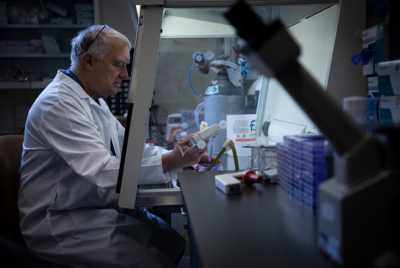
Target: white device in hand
200, 138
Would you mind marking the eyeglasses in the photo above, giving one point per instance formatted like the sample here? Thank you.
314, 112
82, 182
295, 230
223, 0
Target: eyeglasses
105, 26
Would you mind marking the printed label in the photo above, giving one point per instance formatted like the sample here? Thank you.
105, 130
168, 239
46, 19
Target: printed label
212, 90
241, 140
240, 126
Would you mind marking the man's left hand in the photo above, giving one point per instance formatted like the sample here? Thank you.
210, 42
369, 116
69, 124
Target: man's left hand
203, 160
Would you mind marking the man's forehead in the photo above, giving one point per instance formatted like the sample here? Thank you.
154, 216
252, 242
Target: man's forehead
118, 51
118, 58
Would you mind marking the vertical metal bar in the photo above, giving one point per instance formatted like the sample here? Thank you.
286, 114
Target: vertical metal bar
141, 92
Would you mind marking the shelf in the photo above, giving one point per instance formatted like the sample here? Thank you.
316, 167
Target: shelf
37, 26
62, 55
23, 85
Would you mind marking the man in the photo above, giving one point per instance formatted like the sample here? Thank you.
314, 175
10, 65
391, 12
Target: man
71, 156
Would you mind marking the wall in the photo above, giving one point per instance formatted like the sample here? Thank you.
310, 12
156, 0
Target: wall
116, 14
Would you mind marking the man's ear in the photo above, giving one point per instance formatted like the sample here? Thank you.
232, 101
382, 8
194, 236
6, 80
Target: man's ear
87, 60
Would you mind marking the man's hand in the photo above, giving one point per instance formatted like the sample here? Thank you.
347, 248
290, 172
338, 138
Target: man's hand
204, 159
174, 159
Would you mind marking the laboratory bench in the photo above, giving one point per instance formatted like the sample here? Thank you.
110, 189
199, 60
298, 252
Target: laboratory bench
260, 227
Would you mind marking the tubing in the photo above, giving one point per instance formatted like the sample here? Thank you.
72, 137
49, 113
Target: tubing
248, 70
191, 82
197, 112
227, 63
214, 69
235, 157
216, 159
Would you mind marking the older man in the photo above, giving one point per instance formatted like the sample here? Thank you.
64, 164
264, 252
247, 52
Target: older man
72, 147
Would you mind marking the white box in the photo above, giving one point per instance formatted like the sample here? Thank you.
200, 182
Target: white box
389, 111
389, 78
228, 184
241, 128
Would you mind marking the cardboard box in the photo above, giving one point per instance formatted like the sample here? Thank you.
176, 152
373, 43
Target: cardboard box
372, 85
376, 35
389, 78
389, 111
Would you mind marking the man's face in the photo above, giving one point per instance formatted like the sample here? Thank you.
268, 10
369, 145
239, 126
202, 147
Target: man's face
109, 72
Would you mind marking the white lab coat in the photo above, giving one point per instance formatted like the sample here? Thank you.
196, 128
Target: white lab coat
67, 200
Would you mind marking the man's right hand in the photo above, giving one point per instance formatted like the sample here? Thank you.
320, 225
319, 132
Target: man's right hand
174, 159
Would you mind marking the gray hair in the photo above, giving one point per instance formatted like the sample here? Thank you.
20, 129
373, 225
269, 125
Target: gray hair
100, 47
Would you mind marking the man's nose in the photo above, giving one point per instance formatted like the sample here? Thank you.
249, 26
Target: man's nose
124, 74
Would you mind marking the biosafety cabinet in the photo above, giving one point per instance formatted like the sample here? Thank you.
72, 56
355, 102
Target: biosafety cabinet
188, 61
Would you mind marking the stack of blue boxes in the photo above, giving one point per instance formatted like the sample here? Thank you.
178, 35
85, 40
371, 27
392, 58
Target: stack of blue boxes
301, 167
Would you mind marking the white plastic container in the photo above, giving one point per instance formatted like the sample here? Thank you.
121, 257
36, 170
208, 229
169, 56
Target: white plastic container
356, 107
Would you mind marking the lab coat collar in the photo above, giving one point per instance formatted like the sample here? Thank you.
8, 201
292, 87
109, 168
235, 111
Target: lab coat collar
73, 85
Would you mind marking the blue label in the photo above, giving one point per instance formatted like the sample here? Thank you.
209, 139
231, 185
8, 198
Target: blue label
386, 115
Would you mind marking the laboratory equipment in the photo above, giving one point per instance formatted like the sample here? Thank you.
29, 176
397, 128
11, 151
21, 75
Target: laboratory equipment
225, 93
241, 128
204, 135
262, 158
263, 138
231, 183
162, 60
228, 184
365, 167
301, 168
173, 123
228, 145
199, 139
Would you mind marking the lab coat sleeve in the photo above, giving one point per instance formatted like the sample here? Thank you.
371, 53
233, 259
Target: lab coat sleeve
152, 170
121, 133
74, 137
